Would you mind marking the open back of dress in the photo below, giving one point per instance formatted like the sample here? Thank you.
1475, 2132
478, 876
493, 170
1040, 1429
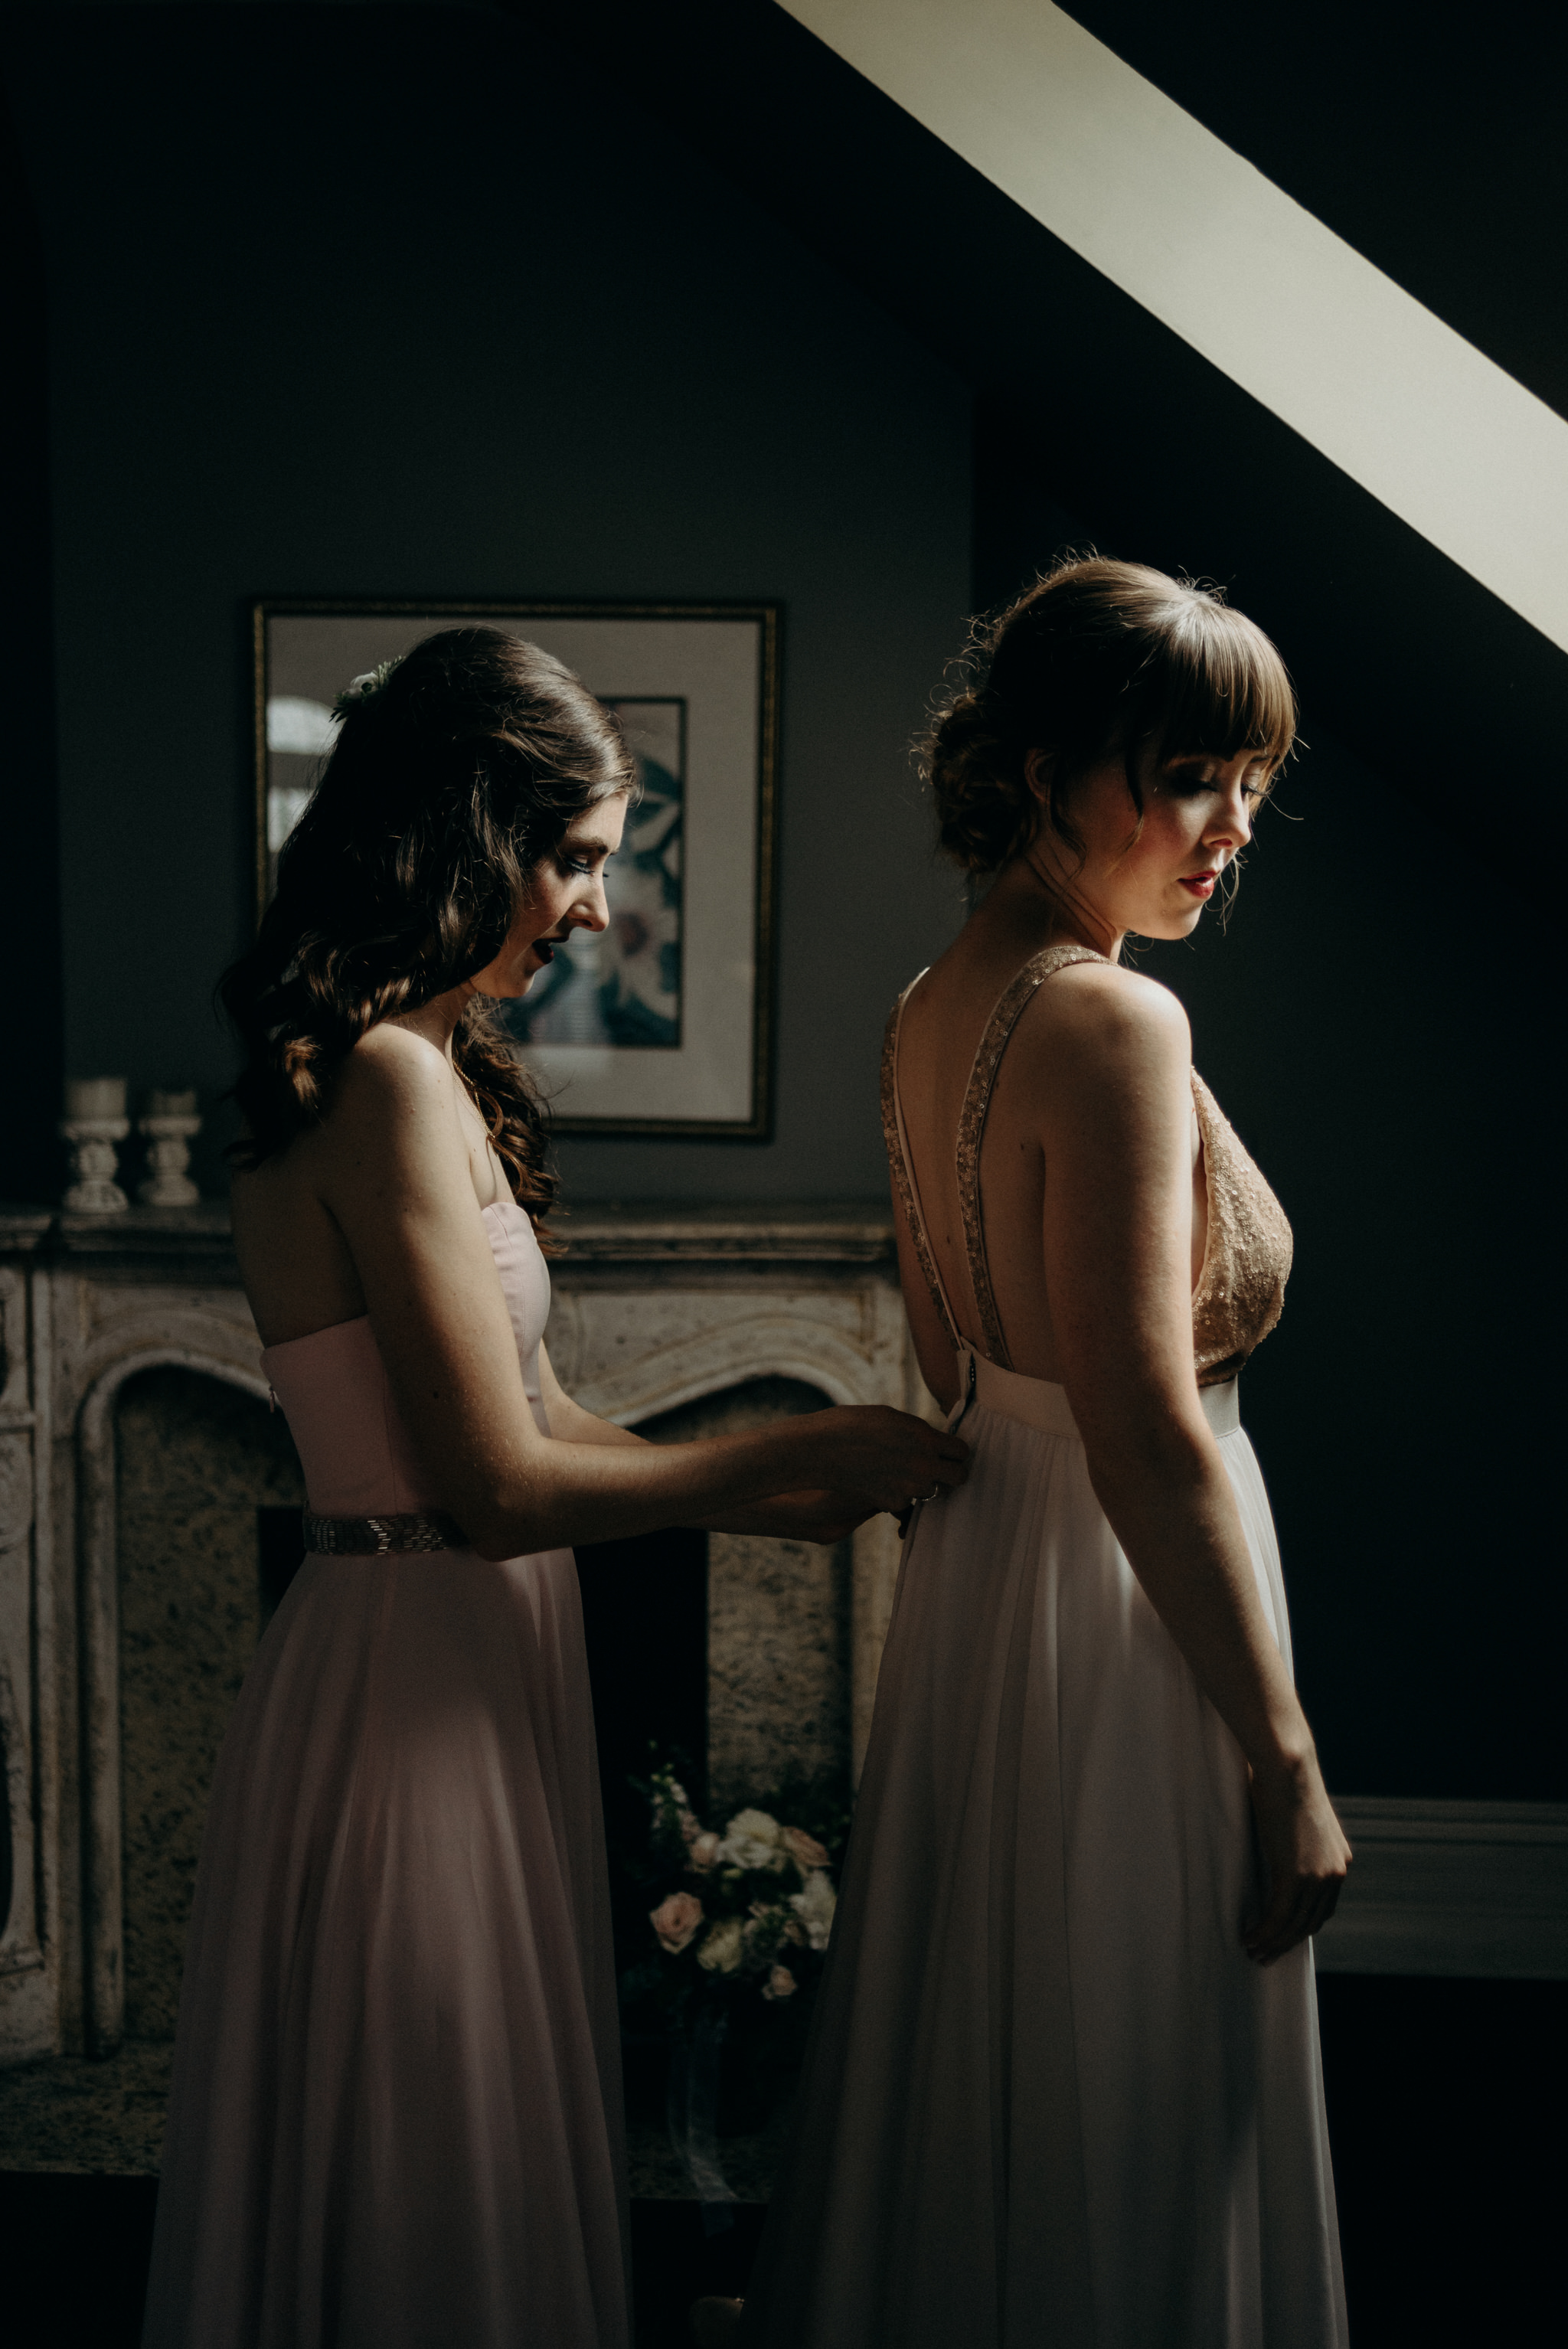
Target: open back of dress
1049, 2103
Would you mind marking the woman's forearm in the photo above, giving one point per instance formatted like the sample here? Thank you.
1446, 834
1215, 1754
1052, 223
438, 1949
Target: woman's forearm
820, 1476
1175, 1516
815, 1517
571, 1424
564, 1491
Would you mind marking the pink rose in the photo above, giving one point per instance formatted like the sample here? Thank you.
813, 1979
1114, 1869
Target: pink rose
780, 1983
675, 1920
704, 1852
804, 1849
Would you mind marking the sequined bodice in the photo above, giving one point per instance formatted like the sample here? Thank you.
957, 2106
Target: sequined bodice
1246, 1261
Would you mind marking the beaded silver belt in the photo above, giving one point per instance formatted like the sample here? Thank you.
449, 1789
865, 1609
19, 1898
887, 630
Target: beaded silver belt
420, 1530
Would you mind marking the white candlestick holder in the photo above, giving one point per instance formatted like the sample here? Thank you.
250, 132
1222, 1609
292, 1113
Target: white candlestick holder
94, 1162
168, 1155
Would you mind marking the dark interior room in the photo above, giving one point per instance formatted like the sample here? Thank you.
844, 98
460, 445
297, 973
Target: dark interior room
756, 328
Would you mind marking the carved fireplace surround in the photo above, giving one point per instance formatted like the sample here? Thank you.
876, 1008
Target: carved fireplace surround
654, 1307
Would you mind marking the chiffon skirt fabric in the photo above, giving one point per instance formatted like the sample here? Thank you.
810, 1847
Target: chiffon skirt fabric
1049, 2100
396, 2118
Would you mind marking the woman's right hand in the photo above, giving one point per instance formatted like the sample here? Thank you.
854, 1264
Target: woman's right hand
890, 1456
1306, 1856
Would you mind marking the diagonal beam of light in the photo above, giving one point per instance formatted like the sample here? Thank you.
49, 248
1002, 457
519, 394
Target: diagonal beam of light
1289, 311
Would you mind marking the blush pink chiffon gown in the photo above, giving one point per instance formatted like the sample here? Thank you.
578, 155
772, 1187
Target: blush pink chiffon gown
395, 2121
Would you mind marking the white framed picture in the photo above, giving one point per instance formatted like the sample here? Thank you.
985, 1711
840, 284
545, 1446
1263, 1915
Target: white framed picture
664, 1024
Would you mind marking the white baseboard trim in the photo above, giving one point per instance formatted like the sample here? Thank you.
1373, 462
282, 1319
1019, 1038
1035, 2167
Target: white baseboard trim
1477, 1889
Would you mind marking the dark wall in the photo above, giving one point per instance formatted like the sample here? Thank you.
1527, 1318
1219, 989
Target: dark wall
31, 1035
1378, 1021
1436, 683
1377, 1066
404, 302
1441, 161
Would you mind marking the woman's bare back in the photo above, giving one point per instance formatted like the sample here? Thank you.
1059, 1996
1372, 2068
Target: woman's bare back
294, 1261
946, 1017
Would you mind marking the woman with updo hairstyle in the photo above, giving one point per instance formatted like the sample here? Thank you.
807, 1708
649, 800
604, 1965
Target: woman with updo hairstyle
1063, 2089
395, 2116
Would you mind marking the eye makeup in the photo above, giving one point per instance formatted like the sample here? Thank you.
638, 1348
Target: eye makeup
1185, 781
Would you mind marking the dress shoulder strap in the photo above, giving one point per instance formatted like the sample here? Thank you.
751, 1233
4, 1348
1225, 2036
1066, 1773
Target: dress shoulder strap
972, 1126
903, 1165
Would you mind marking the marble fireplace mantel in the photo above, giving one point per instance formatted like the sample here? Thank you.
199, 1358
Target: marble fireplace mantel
657, 1306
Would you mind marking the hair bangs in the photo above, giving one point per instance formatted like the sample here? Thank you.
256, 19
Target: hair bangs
1216, 687
1098, 660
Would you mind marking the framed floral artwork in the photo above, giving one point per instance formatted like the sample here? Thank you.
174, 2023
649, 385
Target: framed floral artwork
664, 1024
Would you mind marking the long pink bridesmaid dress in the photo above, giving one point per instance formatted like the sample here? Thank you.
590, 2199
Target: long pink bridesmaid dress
395, 2121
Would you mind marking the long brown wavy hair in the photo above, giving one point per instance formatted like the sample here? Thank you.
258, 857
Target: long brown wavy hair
1096, 658
454, 772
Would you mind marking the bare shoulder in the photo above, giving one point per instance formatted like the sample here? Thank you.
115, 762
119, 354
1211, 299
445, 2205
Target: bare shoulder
394, 1094
393, 1073
391, 1063
1098, 1018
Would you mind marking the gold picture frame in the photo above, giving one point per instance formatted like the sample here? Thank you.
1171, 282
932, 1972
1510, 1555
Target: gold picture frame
697, 687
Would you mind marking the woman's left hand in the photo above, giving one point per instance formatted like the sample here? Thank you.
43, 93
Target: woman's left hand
1306, 1858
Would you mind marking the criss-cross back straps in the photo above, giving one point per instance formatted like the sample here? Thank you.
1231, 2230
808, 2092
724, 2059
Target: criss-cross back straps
972, 1127
903, 1165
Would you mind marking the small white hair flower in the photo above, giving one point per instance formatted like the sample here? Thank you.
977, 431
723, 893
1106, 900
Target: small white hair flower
363, 688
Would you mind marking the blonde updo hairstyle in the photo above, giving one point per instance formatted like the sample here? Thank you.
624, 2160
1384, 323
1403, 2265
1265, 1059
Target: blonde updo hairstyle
1098, 660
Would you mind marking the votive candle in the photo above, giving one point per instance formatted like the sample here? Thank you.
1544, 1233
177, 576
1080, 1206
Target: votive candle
89, 1099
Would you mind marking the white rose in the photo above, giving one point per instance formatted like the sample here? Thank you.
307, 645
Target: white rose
754, 1840
703, 1853
814, 1906
721, 1951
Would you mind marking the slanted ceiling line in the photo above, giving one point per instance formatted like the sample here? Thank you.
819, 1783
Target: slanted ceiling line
1290, 312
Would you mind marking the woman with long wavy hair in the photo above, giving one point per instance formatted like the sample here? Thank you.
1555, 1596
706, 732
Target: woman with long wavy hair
395, 2116
1064, 2088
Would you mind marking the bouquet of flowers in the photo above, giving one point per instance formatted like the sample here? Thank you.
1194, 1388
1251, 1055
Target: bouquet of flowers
737, 1927
751, 1908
